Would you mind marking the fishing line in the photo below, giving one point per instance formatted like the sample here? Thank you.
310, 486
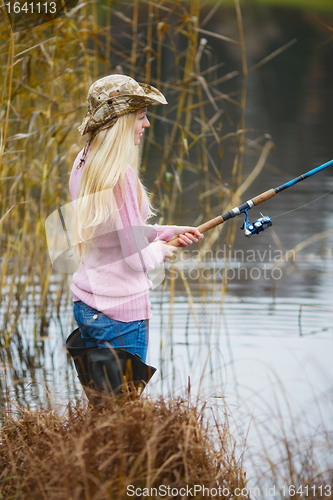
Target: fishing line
302, 206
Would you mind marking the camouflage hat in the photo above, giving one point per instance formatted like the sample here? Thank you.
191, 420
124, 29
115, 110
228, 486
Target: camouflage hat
114, 96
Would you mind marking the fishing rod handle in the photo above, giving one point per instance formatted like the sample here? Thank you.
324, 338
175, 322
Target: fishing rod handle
263, 196
202, 228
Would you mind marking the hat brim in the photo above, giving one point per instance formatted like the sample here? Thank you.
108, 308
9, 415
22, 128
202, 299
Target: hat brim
108, 111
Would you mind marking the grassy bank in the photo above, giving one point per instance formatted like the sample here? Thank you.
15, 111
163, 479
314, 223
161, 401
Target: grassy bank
88, 455
161, 448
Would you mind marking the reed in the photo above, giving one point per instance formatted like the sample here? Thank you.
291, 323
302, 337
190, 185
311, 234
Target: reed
294, 455
87, 454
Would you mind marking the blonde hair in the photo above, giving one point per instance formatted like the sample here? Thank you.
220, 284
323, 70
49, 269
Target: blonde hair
112, 151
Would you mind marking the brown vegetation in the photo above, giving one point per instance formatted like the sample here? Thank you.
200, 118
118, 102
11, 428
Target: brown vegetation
92, 455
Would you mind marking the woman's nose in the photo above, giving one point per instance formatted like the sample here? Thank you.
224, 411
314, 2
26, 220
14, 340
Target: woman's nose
146, 122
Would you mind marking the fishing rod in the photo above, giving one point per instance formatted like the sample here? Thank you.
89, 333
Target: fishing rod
251, 228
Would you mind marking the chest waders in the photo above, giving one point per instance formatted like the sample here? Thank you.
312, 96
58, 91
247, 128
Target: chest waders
105, 372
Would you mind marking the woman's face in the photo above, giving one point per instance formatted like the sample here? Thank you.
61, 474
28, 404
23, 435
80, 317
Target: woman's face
141, 123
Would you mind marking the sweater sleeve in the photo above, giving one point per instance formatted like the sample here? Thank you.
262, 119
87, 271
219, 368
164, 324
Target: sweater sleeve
164, 233
140, 244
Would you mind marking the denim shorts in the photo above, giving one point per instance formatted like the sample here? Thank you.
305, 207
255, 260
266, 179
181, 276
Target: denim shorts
99, 330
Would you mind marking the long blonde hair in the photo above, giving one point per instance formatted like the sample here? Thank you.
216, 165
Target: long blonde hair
112, 151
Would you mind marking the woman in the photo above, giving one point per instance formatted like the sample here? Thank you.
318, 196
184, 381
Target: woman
115, 246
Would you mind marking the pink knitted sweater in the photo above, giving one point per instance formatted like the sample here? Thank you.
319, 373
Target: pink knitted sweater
113, 276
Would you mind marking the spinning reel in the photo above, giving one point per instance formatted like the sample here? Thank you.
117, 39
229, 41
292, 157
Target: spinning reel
256, 227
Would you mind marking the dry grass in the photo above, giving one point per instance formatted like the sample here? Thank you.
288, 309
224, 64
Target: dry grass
88, 455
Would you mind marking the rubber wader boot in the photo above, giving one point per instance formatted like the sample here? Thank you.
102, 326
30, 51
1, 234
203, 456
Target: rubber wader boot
107, 371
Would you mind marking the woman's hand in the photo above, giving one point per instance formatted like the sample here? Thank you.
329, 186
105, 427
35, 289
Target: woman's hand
187, 235
168, 250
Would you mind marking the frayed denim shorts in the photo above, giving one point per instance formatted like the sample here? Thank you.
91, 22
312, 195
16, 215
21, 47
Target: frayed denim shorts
99, 330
